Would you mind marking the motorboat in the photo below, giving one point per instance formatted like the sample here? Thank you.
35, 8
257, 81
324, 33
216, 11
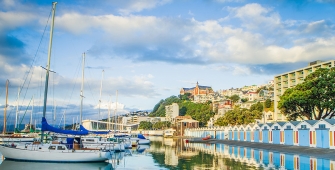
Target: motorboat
98, 142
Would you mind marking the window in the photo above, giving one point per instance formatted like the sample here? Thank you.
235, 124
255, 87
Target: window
52, 147
60, 148
303, 126
276, 127
322, 126
288, 127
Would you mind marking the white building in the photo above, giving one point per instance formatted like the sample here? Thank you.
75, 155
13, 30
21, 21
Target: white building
291, 79
171, 112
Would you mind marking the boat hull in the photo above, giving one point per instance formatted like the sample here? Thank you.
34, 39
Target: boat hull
41, 154
26, 139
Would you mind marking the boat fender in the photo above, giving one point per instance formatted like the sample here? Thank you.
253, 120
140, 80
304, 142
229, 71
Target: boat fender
73, 150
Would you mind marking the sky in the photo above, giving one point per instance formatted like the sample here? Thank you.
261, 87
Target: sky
138, 52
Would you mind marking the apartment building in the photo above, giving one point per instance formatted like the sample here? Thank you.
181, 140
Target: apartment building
291, 79
171, 112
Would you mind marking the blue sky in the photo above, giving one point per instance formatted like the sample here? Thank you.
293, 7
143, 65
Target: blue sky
150, 49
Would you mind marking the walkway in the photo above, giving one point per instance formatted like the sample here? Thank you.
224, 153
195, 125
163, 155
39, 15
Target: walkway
299, 150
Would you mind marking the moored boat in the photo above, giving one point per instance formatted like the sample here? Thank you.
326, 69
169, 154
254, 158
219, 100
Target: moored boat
53, 152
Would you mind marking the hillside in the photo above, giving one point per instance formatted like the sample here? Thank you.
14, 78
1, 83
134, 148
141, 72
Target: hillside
201, 112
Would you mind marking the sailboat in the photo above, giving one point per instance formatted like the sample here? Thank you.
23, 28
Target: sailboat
13, 137
53, 152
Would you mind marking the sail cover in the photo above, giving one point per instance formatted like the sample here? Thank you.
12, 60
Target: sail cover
94, 132
141, 136
47, 127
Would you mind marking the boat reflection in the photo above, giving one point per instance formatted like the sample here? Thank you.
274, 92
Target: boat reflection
17, 165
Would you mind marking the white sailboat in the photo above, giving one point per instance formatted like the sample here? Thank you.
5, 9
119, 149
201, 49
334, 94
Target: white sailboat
13, 137
52, 152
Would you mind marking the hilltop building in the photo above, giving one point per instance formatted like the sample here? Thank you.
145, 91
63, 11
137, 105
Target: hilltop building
291, 79
200, 94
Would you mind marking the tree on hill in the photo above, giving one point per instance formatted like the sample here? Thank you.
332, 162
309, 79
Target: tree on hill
312, 99
257, 106
186, 96
267, 103
239, 116
159, 109
201, 112
234, 98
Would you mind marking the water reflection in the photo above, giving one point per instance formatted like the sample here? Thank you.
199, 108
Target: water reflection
168, 153
262, 159
17, 165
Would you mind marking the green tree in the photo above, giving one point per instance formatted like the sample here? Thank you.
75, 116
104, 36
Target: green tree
239, 116
145, 125
257, 106
159, 109
267, 103
186, 96
312, 99
234, 98
243, 100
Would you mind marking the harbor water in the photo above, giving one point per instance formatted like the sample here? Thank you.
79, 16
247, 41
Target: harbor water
175, 154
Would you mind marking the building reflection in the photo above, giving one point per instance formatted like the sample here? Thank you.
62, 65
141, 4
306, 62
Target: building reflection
262, 159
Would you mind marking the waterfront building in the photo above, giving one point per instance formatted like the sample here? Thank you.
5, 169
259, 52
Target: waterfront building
306, 130
186, 124
324, 130
278, 132
290, 79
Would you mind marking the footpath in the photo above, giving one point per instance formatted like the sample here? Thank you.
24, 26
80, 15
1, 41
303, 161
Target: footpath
299, 150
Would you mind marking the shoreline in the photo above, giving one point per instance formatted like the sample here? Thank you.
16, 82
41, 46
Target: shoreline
289, 149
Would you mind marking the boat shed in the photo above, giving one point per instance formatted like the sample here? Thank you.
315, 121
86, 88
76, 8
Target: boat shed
230, 132
306, 130
323, 132
242, 133
267, 133
289, 127
249, 130
236, 129
278, 132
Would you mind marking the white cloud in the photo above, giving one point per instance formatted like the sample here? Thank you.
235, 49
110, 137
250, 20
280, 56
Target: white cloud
11, 20
255, 16
225, 1
136, 6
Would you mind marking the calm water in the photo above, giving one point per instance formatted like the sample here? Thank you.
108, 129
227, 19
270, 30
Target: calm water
175, 154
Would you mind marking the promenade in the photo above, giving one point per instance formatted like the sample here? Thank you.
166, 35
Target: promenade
301, 150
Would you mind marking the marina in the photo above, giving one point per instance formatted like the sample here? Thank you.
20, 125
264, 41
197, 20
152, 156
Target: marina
173, 153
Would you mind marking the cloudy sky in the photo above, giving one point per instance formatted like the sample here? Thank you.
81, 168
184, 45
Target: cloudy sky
150, 49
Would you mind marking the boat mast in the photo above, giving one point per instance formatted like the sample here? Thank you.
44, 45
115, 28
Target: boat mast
54, 119
115, 114
17, 109
31, 115
48, 64
109, 113
64, 119
82, 91
5, 109
100, 99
